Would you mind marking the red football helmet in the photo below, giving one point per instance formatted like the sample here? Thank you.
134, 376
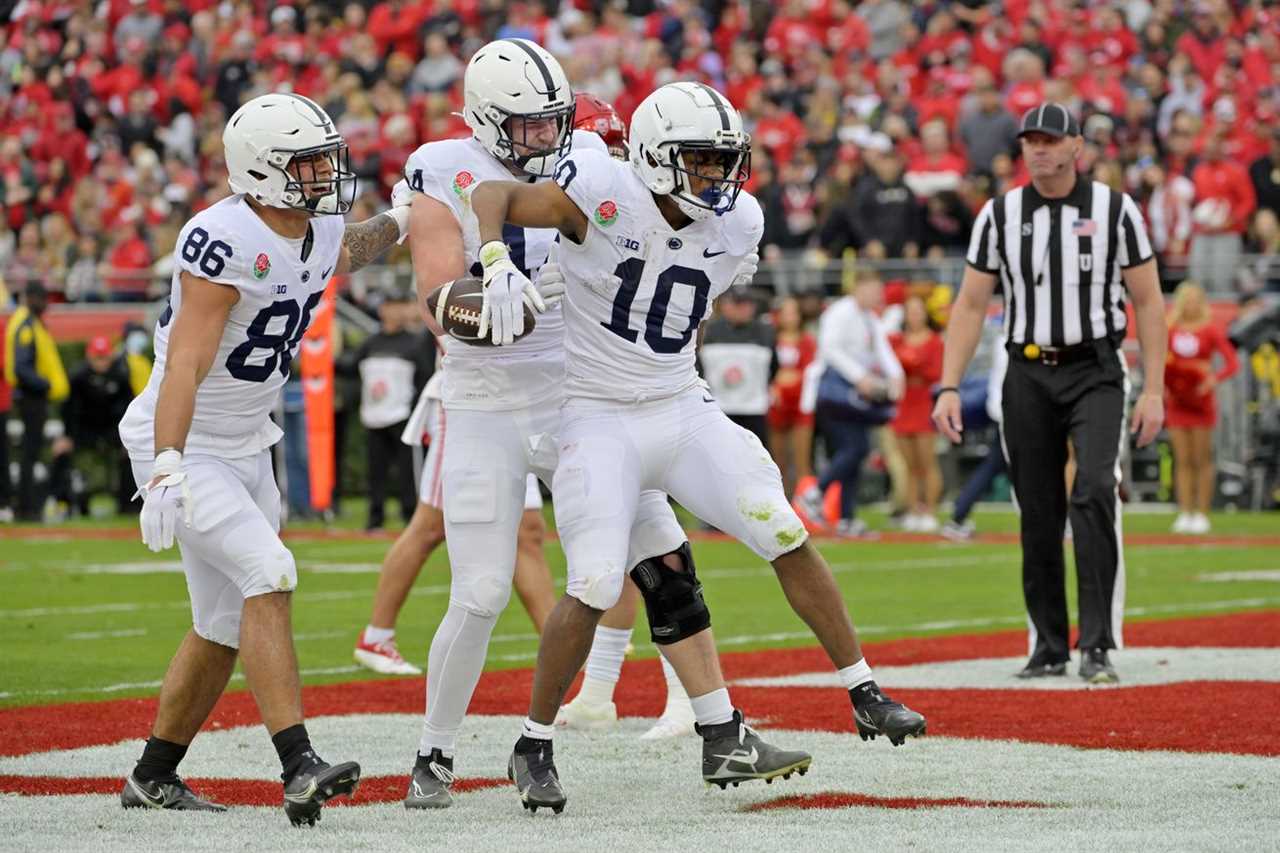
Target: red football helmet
599, 117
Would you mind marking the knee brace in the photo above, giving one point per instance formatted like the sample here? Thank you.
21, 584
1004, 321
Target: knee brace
485, 596
672, 599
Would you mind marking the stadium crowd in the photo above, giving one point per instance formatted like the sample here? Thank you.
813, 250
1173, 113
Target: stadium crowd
879, 125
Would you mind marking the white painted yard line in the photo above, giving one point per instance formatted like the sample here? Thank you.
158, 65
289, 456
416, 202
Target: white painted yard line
1226, 577
103, 635
323, 635
142, 685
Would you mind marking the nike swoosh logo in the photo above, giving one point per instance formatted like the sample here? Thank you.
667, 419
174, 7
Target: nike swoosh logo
304, 795
325, 275
707, 253
153, 802
708, 399
742, 757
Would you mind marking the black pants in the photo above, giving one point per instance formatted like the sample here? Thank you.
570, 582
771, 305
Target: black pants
33, 411
1043, 407
390, 461
107, 460
848, 445
6, 485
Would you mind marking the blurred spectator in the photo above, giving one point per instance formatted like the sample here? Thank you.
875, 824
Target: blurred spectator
852, 342
34, 371
881, 218
438, 69
100, 391
1265, 174
790, 428
918, 348
84, 281
959, 527
988, 129
6, 403
1169, 200
129, 261
394, 365
1224, 203
1191, 405
738, 360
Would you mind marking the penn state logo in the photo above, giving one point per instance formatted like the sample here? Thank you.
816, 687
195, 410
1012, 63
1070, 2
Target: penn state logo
306, 276
674, 244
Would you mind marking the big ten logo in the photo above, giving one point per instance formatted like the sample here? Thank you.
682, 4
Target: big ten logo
627, 243
280, 289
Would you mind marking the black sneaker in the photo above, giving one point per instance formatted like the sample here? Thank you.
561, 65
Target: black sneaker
430, 783
877, 714
316, 784
173, 794
1096, 668
732, 753
532, 767
1035, 669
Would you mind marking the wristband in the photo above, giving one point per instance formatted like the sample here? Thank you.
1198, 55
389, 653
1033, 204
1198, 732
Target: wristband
945, 389
493, 251
401, 216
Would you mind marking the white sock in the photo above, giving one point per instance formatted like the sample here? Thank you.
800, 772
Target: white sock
373, 636
454, 665
536, 730
608, 649
712, 708
859, 673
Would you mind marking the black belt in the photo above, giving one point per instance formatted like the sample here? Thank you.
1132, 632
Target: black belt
1055, 356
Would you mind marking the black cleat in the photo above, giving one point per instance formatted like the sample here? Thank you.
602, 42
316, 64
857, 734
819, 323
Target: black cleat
1096, 668
173, 794
315, 785
532, 767
877, 714
732, 753
430, 783
1042, 670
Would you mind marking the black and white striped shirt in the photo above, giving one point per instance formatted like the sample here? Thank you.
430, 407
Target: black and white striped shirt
1059, 261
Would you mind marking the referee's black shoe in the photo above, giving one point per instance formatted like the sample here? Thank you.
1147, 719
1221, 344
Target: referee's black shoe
1096, 668
877, 714
1039, 669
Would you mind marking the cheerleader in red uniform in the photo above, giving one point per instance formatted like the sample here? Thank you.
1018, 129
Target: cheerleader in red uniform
919, 350
790, 429
1190, 404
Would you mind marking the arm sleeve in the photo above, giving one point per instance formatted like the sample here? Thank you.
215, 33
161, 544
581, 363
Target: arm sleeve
1133, 245
1231, 362
834, 344
983, 255
585, 176
424, 179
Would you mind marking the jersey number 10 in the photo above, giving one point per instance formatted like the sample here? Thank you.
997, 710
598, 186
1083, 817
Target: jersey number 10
631, 271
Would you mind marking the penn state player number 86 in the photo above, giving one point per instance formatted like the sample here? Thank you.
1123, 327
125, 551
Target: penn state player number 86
630, 272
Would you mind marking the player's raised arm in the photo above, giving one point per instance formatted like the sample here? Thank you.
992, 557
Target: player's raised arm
543, 205
364, 241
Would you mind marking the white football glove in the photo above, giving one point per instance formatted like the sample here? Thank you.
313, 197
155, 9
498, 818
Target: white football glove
166, 498
746, 270
506, 292
401, 201
550, 281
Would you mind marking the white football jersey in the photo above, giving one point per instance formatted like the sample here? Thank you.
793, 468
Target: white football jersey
637, 341
531, 369
228, 244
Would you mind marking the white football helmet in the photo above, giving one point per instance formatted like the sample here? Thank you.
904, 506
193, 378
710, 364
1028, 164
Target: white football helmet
265, 137
515, 78
682, 118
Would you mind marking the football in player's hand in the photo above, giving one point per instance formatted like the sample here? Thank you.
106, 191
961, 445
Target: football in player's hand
455, 305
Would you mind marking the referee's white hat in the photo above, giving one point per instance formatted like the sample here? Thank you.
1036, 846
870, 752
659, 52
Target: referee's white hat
1053, 119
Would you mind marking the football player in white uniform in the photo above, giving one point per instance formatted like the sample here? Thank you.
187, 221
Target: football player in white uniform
502, 403
647, 246
376, 647
593, 707
248, 272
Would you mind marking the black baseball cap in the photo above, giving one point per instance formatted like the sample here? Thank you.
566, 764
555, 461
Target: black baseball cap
1053, 119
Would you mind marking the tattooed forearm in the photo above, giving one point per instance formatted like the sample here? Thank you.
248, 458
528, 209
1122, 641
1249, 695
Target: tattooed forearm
366, 240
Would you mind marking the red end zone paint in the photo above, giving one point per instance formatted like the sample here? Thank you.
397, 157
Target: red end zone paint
231, 792
1231, 717
842, 800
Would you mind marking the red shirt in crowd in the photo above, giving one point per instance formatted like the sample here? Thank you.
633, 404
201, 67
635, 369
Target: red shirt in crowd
922, 364
1229, 182
1205, 56
793, 357
1187, 366
396, 25
133, 258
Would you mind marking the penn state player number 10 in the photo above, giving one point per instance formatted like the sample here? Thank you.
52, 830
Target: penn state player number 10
630, 272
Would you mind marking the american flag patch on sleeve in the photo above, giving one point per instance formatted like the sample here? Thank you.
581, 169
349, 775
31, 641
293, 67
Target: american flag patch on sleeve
1084, 228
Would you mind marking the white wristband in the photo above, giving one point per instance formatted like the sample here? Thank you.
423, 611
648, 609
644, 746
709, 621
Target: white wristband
493, 251
168, 461
401, 216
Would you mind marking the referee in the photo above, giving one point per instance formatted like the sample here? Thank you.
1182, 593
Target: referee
1064, 250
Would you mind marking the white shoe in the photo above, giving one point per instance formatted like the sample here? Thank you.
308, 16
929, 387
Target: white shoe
958, 532
911, 523
586, 715
1067, 534
6, 515
1182, 523
927, 523
676, 721
383, 657
1199, 524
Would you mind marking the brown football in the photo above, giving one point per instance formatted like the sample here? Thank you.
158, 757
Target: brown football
455, 305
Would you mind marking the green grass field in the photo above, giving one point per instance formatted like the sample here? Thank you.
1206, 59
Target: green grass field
88, 618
